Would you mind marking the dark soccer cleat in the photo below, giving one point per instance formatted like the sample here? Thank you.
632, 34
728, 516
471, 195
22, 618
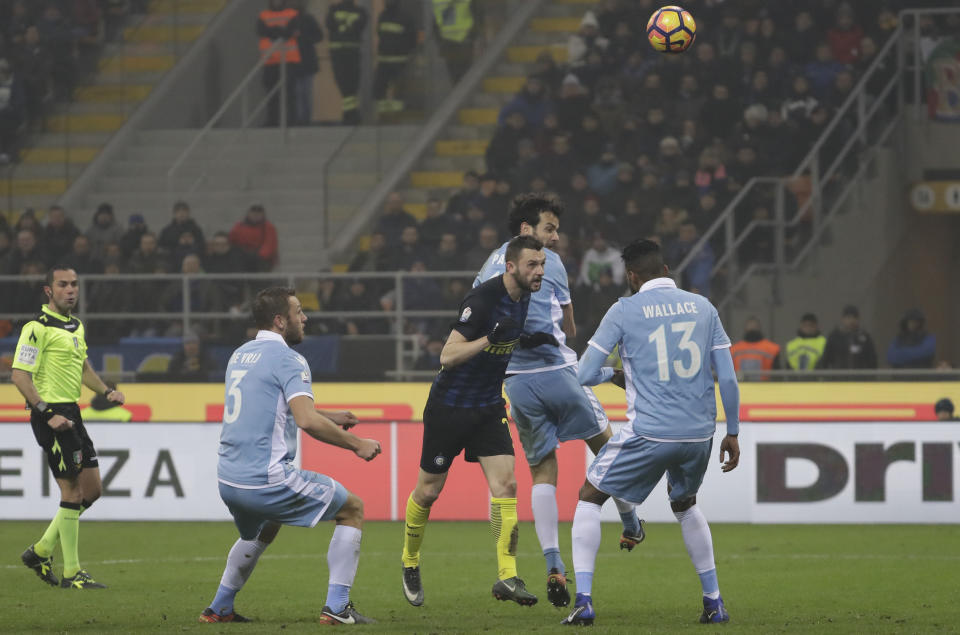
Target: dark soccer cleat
43, 567
412, 588
629, 541
348, 615
81, 580
513, 589
714, 612
557, 591
209, 616
582, 613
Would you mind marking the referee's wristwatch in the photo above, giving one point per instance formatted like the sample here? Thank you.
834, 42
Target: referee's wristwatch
107, 394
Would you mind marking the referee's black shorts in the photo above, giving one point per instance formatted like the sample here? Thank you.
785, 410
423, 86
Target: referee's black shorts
68, 451
481, 431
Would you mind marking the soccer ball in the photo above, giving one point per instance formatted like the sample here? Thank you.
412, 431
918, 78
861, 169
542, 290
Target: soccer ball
671, 29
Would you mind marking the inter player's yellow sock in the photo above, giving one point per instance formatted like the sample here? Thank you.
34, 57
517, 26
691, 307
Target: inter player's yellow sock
413, 532
48, 541
503, 521
70, 537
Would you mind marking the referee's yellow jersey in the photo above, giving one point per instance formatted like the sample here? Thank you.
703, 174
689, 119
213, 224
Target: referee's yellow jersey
52, 348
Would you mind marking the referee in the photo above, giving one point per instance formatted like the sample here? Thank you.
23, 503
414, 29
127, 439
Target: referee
49, 365
465, 412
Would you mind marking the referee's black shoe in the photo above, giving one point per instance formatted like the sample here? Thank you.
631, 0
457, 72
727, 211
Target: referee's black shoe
42, 566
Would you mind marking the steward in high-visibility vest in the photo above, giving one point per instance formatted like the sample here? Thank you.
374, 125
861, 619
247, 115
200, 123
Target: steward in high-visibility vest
345, 23
755, 352
396, 40
805, 351
455, 22
279, 23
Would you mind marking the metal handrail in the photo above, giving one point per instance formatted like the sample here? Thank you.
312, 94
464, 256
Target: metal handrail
238, 93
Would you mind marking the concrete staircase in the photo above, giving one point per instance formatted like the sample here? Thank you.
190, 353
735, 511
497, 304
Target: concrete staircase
463, 144
76, 132
229, 170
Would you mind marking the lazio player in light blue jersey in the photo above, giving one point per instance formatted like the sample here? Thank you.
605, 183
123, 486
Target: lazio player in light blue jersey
668, 340
268, 398
547, 402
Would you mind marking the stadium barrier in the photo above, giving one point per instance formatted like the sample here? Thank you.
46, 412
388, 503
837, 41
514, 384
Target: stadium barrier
824, 472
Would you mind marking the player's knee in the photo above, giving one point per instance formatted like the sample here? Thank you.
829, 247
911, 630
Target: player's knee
505, 487
351, 512
590, 494
426, 494
683, 505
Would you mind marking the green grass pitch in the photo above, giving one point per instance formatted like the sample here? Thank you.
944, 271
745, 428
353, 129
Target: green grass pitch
838, 579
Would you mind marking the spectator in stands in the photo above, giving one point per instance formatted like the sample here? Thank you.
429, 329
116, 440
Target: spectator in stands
913, 346
586, 40
800, 103
87, 20
25, 250
103, 230
394, 218
256, 237
849, 346
529, 165
456, 23
589, 140
447, 256
111, 296
487, 198
573, 103
278, 23
822, 71
755, 352
82, 259
429, 358
130, 241
359, 298
602, 173
181, 222
845, 36
25, 296
758, 246
502, 150
486, 241
624, 189
797, 41
57, 34
633, 223
409, 250
114, 14
35, 67
601, 255
696, 277
457, 205
205, 295
532, 102
185, 247
148, 257
396, 42
597, 298
58, 234
375, 258
309, 34
225, 258
546, 69
805, 351
12, 111
191, 362
6, 243
559, 163
943, 409
720, 112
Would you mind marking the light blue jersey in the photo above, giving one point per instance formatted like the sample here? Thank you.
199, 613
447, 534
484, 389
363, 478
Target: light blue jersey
258, 441
666, 336
544, 314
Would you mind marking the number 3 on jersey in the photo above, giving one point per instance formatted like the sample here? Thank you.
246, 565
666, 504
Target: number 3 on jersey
235, 397
659, 338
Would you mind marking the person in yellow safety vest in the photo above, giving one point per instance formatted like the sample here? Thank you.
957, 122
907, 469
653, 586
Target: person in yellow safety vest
805, 351
455, 22
345, 23
396, 40
102, 409
755, 352
279, 22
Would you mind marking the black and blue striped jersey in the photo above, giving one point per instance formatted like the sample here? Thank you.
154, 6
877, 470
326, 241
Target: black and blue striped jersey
479, 380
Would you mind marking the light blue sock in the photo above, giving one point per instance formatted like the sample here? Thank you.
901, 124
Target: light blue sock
554, 561
337, 597
631, 525
584, 582
708, 580
223, 602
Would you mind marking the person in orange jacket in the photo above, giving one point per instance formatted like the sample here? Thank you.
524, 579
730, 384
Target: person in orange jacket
755, 352
256, 237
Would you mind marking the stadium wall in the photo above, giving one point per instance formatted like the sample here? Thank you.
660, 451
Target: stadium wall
811, 454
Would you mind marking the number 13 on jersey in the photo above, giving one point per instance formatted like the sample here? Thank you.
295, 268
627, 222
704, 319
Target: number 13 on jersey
659, 338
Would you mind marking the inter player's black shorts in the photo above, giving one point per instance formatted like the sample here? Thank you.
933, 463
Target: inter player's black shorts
62, 447
447, 430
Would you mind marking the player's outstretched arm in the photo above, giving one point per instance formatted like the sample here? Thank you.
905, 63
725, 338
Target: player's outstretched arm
323, 429
459, 349
592, 370
730, 397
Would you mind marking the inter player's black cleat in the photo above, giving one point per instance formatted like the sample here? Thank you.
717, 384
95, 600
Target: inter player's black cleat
81, 580
209, 616
514, 590
412, 587
43, 567
348, 615
629, 541
557, 591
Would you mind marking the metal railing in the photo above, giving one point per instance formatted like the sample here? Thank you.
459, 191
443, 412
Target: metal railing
182, 303
247, 117
116, 56
831, 169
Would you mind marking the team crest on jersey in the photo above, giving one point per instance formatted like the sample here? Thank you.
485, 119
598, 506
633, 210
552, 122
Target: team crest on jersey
439, 460
77, 457
467, 312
